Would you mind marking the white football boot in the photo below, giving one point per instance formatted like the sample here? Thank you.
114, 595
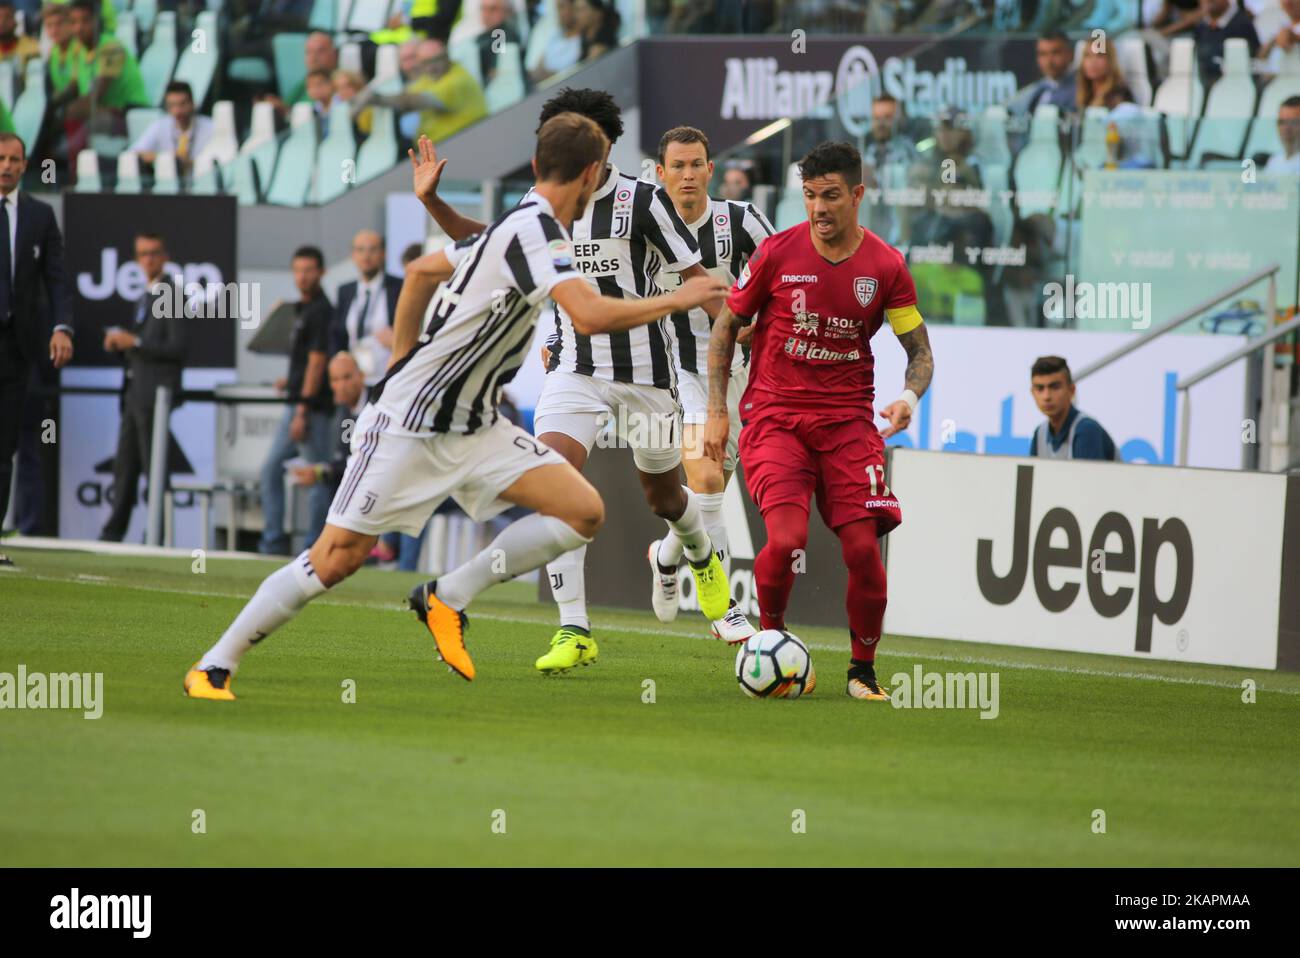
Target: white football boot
733, 628
663, 588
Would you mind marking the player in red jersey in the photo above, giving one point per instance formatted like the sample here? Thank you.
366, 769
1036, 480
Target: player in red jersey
817, 293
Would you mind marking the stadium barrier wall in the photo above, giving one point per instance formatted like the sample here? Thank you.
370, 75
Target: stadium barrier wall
1186, 565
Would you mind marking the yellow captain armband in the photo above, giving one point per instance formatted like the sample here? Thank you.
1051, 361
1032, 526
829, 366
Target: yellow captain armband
904, 319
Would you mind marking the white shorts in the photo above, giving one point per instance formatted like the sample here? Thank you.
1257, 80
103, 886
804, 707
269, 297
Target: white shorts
693, 390
592, 410
394, 481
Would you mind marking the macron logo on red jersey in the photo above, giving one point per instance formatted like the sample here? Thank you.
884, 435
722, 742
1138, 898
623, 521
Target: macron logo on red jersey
798, 277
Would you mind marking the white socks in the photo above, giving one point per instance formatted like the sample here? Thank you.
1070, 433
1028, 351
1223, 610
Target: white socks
569, 586
522, 546
277, 600
689, 534
670, 547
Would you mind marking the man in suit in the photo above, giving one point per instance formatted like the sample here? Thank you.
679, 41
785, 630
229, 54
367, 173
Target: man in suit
1056, 85
35, 308
363, 318
153, 347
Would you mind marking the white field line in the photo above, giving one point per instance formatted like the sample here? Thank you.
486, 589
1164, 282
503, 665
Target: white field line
696, 634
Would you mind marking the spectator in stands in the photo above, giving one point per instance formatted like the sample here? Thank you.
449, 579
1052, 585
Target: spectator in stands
946, 170
108, 13
153, 348
888, 158
319, 53
1056, 87
1284, 40
738, 181
65, 49
108, 81
1068, 433
1287, 159
498, 18
1221, 20
1101, 84
320, 94
1100, 79
305, 428
598, 24
363, 317
182, 131
349, 391
444, 92
565, 47
13, 47
347, 85
1167, 20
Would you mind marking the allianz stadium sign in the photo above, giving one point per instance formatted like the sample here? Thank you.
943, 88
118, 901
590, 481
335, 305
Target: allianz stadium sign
738, 86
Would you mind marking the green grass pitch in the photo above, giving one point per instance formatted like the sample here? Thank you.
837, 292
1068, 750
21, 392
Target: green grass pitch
418, 770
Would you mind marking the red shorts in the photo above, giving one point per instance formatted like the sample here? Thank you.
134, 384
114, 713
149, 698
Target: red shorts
788, 456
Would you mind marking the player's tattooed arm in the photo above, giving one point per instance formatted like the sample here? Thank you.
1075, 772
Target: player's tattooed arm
426, 173
920, 361
916, 379
722, 347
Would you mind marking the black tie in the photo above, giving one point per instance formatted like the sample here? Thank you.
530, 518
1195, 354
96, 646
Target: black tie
6, 266
361, 317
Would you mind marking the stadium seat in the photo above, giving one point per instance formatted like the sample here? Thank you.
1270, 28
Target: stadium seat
507, 87
996, 178
88, 179
297, 160
288, 51
379, 151
1091, 151
139, 119
1180, 97
29, 108
350, 57
336, 158
146, 12
1132, 55
1037, 169
223, 146
388, 71
322, 15
1263, 131
128, 173
126, 32
205, 181
198, 62
543, 32
1228, 108
7, 83
367, 16
158, 60
991, 138
251, 172
466, 54
166, 176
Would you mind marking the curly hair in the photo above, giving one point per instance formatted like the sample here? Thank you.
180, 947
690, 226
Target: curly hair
595, 105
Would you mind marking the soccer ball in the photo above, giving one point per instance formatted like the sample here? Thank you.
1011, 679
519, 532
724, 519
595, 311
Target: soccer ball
774, 664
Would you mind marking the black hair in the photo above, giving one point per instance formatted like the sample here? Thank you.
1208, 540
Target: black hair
825, 159
595, 105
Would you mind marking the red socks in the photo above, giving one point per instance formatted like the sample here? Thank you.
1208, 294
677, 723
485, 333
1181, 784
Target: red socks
787, 533
867, 589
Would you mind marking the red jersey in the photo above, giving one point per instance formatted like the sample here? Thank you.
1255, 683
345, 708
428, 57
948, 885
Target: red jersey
814, 322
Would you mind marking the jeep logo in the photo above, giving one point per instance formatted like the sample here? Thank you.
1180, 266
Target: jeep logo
1003, 590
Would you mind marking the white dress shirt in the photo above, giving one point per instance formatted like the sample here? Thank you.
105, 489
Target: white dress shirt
371, 355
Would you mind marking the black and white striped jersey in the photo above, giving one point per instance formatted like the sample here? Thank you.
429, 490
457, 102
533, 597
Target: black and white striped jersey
628, 234
727, 235
482, 323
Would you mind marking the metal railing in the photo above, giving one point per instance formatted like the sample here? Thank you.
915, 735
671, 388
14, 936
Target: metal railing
1265, 430
1268, 272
